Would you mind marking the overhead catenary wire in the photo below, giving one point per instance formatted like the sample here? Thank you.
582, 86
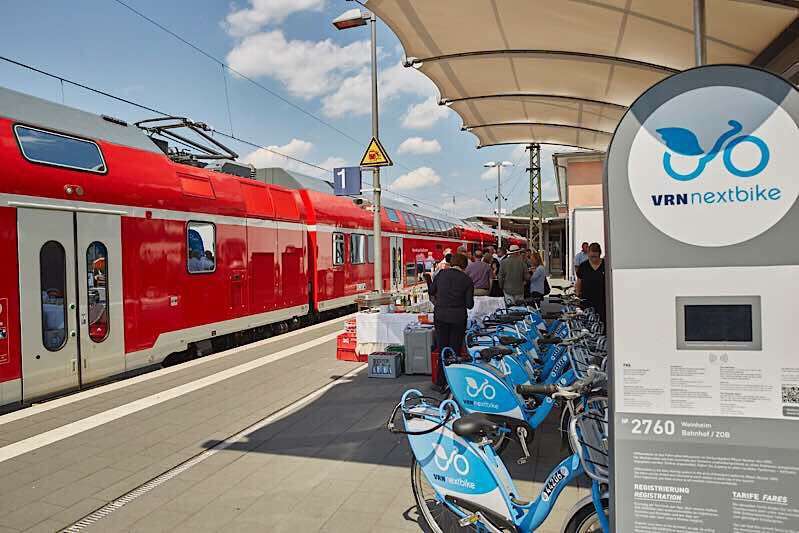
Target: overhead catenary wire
272, 92
63, 79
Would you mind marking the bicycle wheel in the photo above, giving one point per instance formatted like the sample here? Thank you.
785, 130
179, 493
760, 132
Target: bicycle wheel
586, 519
438, 517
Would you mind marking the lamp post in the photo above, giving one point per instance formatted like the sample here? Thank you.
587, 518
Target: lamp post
499, 165
352, 19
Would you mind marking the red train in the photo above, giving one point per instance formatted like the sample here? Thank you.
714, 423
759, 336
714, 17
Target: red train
117, 256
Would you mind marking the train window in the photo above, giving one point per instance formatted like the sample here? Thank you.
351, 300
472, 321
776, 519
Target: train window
408, 221
40, 146
357, 249
201, 240
338, 248
392, 215
370, 248
53, 284
97, 291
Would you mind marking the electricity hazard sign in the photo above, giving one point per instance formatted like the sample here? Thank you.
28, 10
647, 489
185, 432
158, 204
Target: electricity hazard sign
376, 155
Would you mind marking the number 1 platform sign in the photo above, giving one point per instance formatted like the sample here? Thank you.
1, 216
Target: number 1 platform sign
347, 181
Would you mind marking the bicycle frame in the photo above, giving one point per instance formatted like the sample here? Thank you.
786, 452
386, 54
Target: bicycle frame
472, 473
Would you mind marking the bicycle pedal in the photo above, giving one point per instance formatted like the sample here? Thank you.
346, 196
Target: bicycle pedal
469, 520
521, 461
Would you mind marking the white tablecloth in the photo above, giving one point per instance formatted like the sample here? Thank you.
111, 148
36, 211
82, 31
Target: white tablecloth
384, 328
484, 306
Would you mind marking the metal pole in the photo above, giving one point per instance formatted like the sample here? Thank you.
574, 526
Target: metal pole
378, 243
540, 193
531, 230
700, 47
499, 205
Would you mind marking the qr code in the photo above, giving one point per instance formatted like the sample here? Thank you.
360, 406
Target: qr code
790, 394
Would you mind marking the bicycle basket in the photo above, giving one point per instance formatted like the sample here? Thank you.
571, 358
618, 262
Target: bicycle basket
589, 436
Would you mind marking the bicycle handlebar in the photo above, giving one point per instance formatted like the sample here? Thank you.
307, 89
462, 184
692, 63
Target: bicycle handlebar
532, 390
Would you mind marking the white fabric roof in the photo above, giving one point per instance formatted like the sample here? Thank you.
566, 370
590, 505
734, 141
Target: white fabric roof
563, 72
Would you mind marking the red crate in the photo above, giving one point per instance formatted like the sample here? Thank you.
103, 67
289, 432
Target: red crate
344, 354
346, 341
349, 326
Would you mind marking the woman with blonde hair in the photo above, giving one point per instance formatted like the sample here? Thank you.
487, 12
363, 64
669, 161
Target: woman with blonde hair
538, 276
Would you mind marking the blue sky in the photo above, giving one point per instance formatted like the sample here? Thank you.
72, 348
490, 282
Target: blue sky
289, 47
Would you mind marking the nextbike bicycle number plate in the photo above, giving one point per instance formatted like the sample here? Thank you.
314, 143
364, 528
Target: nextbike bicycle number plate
713, 166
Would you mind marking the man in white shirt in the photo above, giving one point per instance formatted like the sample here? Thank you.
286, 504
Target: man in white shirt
581, 257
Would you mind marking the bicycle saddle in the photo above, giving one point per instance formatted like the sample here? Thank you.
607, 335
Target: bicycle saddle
507, 340
551, 316
473, 427
484, 332
499, 321
486, 354
549, 340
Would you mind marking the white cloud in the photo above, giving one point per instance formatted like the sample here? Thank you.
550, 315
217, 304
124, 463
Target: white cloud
297, 148
416, 179
246, 21
307, 68
463, 207
424, 115
354, 94
417, 145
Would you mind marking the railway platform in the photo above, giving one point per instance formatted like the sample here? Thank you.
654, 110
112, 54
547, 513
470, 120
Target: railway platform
278, 435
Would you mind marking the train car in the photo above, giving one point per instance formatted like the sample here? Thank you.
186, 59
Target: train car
121, 253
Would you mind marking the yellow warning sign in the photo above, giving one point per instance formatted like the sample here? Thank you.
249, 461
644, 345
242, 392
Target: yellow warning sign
376, 155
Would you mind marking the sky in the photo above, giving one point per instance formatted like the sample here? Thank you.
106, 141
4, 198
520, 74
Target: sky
300, 88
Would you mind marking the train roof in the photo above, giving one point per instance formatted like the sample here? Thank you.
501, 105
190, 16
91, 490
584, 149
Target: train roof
35, 111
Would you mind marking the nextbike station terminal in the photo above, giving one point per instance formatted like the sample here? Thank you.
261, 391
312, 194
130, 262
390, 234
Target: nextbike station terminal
703, 366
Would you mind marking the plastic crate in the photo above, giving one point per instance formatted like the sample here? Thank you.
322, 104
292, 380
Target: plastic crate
385, 365
346, 341
344, 354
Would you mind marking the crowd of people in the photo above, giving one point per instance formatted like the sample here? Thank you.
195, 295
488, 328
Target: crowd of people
514, 274
453, 282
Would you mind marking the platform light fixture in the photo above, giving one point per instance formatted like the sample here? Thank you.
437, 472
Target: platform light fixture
498, 165
355, 18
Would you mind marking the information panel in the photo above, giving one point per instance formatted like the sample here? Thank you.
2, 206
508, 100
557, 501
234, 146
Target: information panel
701, 185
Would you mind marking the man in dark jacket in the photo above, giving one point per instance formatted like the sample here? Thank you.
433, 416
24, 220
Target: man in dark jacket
453, 292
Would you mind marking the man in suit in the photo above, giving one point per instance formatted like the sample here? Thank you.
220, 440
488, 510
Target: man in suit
453, 292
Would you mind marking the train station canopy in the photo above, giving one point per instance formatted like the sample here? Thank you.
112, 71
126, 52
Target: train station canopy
563, 72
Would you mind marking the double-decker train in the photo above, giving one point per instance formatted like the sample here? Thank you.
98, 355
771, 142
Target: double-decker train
120, 252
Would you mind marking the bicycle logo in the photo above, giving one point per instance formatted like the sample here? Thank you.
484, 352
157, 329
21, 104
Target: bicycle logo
505, 367
684, 142
473, 390
454, 459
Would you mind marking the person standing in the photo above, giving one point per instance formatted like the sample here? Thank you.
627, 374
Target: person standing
429, 263
538, 277
581, 257
453, 292
591, 280
479, 271
513, 275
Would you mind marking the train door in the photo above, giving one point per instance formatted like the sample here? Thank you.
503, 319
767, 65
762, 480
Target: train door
70, 299
395, 243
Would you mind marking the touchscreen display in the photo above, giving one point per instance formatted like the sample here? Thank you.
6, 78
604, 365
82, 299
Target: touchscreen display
718, 323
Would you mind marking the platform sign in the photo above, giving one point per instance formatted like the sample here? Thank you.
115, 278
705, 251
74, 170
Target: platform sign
702, 179
347, 181
375, 155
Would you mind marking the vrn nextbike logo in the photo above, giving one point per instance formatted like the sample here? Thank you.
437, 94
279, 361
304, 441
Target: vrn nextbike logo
683, 142
474, 390
444, 460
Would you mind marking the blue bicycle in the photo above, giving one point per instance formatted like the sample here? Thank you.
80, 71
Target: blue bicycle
461, 484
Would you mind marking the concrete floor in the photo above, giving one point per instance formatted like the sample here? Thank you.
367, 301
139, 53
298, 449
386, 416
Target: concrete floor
327, 464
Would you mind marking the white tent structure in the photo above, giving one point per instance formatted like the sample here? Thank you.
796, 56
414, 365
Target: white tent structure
563, 72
